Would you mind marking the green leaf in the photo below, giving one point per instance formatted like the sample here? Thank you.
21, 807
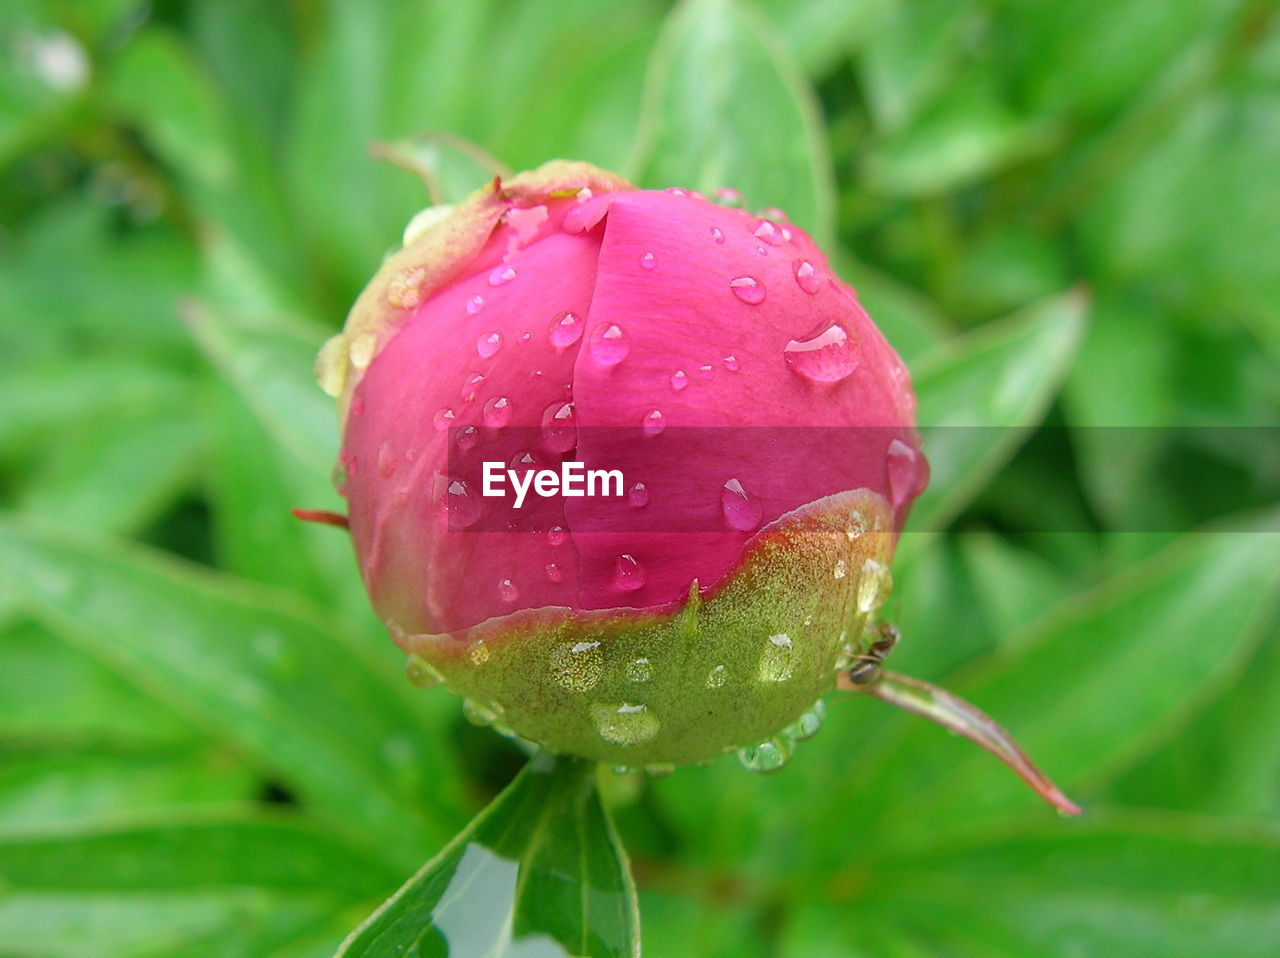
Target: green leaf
911, 323
213, 887
725, 106
1092, 690
73, 275
680, 923
1063, 70
260, 670
415, 64
279, 853
918, 50
1164, 887
223, 168
67, 788
221, 923
1193, 216
115, 473
40, 398
54, 695
538, 871
1014, 585
554, 88
1118, 397
253, 485
1228, 761
980, 396
275, 443
821, 32
251, 54
43, 72
966, 136
272, 366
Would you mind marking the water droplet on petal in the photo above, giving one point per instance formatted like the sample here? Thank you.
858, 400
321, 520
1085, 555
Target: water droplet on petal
421, 672
900, 463
857, 526
459, 504
609, 344
824, 356
525, 337
488, 344
706, 371
501, 275
731, 364
741, 510
768, 232
557, 536
507, 591
638, 496
347, 459
727, 196
443, 419
628, 573
768, 756
554, 574
583, 218
522, 462
471, 386
467, 437
748, 289
807, 277
497, 412
717, 235
841, 570
474, 305
716, 678
676, 191
647, 261
386, 460
577, 666
559, 431
654, 422
625, 724
679, 379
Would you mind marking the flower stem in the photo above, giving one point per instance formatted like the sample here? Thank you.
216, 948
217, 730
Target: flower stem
957, 715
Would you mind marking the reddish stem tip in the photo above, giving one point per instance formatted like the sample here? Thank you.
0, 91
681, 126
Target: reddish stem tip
322, 517
953, 713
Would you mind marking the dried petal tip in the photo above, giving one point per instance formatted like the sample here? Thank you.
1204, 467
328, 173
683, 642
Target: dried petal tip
957, 715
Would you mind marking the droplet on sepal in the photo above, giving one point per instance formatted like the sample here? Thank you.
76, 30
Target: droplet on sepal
625, 723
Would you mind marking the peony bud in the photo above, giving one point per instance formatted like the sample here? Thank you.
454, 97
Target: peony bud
764, 427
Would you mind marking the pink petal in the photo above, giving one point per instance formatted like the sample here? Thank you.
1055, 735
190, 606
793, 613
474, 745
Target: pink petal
683, 314
421, 573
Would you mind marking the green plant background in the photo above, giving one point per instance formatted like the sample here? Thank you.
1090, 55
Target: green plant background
1066, 217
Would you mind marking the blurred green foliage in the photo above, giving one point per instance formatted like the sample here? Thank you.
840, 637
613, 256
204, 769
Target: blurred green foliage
1065, 216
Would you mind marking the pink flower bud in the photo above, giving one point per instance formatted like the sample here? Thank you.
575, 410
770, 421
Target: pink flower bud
764, 429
